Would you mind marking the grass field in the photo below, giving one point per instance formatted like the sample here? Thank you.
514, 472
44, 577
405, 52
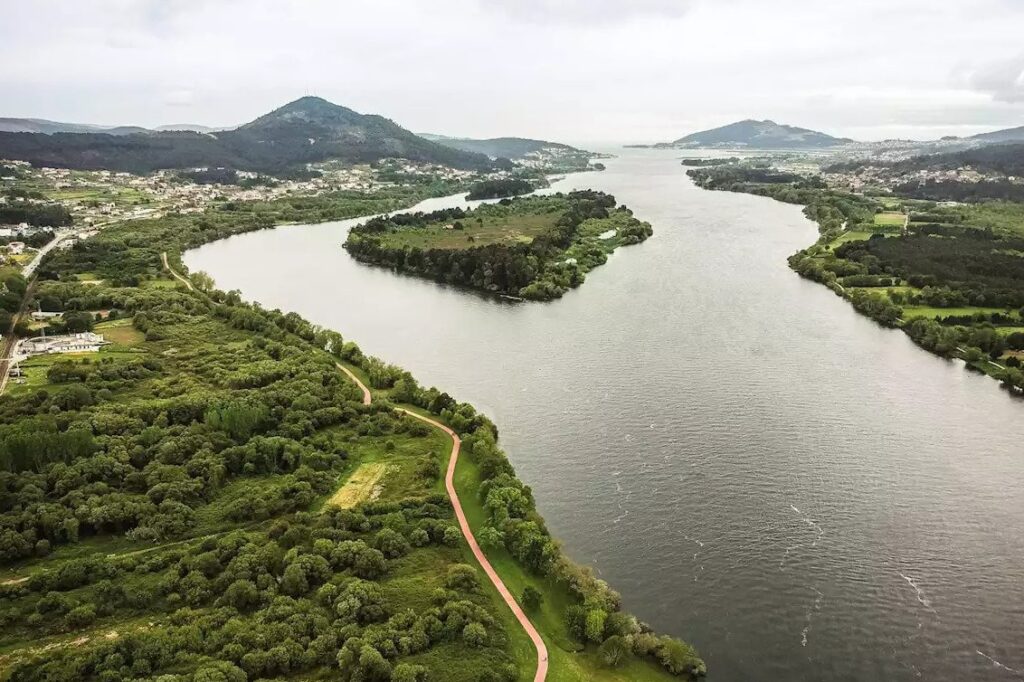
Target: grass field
926, 311
889, 219
850, 236
494, 229
360, 485
120, 332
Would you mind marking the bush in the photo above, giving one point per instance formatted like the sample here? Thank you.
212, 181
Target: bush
613, 651
474, 634
531, 599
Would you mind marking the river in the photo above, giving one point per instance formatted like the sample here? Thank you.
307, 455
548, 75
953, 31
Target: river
758, 469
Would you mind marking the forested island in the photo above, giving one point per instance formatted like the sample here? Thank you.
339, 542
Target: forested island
535, 248
209, 497
949, 275
498, 189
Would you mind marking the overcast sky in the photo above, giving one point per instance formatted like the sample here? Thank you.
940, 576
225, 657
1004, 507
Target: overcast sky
572, 70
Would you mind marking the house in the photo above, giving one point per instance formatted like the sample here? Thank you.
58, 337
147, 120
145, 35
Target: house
16, 248
85, 342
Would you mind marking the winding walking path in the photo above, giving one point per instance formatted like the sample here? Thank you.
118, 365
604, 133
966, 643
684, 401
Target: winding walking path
467, 532
180, 278
449, 484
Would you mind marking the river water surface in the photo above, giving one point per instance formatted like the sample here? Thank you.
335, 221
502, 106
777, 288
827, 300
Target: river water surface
755, 467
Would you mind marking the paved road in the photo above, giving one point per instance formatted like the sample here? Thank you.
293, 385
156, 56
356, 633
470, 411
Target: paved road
31, 267
467, 532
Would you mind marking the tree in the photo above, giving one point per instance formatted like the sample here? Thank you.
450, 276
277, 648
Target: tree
452, 536
294, 581
242, 594
532, 598
613, 650
78, 321
407, 672
461, 577
490, 537
594, 626
474, 634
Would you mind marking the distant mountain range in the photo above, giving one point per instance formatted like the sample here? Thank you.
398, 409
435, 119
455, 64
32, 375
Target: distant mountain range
307, 130
503, 147
753, 134
756, 135
1000, 136
41, 125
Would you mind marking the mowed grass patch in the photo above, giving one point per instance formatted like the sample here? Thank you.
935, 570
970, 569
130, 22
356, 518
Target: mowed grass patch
120, 332
850, 236
890, 219
360, 485
927, 311
476, 231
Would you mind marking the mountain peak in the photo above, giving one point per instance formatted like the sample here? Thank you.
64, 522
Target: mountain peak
307, 110
766, 134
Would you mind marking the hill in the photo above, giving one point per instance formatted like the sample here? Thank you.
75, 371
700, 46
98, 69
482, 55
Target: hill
41, 125
758, 135
307, 130
1006, 159
548, 157
507, 147
999, 136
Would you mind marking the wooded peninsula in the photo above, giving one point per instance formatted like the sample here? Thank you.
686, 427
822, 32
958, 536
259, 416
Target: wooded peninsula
210, 498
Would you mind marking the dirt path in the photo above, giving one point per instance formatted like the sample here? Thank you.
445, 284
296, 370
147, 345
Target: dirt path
167, 266
366, 392
467, 532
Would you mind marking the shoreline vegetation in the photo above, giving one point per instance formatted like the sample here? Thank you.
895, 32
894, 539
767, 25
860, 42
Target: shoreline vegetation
166, 505
536, 248
949, 275
499, 189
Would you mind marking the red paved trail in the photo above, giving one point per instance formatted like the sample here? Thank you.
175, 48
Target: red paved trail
449, 484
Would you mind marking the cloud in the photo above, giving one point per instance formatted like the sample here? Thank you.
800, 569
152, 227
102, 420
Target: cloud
587, 12
179, 98
1002, 79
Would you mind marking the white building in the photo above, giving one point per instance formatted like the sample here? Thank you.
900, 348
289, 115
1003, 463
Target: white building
16, 247
85, 342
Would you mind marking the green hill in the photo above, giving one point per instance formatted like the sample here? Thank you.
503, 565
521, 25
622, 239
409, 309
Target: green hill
307, 130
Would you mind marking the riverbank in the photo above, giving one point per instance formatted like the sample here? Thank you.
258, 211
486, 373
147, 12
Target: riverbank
184, 342
945, 275
705, 334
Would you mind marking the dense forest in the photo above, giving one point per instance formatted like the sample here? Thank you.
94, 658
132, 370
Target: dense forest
956, 190
15, 211
702, 163
496, 189
166, 504
585, 227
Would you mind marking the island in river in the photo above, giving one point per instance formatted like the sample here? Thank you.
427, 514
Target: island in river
535, 247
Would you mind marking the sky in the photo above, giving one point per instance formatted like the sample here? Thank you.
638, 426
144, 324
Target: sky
565, 70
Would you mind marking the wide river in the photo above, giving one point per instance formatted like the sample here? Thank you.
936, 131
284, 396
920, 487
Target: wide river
758, 469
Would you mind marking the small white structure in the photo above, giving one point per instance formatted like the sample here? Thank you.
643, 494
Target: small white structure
45, 314
85, 342
16, 248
